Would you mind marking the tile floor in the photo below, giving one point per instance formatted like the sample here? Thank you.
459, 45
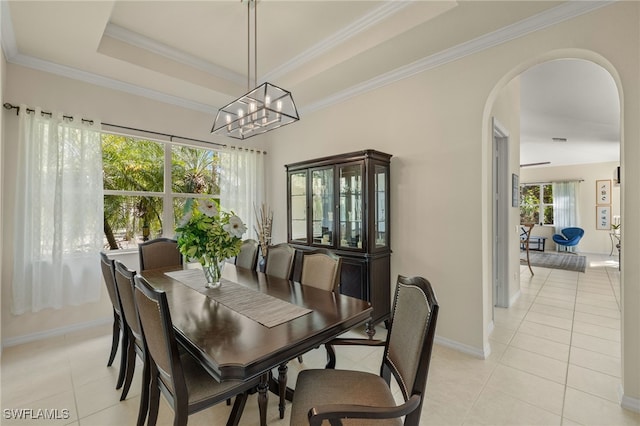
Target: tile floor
555, 361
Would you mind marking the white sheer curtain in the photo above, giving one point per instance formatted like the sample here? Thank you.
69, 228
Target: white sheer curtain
242, 184
565, 207
58, 212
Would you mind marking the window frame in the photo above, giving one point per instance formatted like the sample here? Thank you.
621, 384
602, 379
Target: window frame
167, 195
541, 205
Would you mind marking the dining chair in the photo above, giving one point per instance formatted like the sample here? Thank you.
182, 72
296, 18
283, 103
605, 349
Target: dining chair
248, 256
352, 396
280, 264
280, 261
108, 273
159, 253
183, 381
321, 269
126, 285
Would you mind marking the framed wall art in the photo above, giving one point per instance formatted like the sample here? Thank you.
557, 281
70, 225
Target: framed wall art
603, 218
603, 192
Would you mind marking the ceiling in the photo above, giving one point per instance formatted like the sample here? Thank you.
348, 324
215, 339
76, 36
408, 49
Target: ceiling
194, 54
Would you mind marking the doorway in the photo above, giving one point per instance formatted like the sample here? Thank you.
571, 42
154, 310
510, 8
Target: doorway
501, 200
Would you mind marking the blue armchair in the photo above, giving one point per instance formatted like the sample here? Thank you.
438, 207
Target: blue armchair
568, 237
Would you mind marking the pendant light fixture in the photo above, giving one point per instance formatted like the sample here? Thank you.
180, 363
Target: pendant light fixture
266, 107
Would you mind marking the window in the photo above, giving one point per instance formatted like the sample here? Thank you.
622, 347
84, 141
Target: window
536, 203
146, 184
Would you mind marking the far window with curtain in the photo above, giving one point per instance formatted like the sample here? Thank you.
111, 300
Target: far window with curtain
537, 203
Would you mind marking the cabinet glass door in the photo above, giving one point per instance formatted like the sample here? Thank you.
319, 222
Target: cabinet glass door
322, 206
298, 194
380, 194
351, 206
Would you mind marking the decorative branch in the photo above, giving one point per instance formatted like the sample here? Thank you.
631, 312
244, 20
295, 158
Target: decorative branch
264, 221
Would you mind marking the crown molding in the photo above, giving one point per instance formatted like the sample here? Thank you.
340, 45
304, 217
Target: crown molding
518, 29
148, 44
545, 19
370, 19
109, 83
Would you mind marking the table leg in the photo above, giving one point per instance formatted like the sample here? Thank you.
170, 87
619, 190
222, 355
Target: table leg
263, 398
282, 387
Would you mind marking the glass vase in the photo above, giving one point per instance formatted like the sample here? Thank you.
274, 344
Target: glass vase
213, 272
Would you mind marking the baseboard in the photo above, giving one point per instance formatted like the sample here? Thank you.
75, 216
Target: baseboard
460, 347
627, 402
27, 338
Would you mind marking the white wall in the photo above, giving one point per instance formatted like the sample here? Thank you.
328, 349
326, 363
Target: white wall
594, 241
506, 110
436, 125
3, 66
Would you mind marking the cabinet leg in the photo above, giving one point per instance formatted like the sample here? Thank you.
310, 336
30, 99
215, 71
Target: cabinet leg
370, 329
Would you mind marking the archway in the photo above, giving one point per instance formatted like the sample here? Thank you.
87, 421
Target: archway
489, 213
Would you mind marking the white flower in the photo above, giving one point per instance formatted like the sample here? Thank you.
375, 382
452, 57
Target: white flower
209, 208
235, 227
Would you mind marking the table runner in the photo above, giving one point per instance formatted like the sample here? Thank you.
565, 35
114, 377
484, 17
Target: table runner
262, 308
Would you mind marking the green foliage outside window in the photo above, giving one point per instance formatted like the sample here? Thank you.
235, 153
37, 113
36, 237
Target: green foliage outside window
135, 194
536, 204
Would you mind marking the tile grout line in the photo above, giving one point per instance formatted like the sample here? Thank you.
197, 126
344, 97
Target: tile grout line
73, 383
508, 345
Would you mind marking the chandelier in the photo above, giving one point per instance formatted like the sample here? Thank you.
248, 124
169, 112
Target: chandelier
265, 108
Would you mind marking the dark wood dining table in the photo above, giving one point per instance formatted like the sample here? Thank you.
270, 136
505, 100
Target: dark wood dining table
232, 346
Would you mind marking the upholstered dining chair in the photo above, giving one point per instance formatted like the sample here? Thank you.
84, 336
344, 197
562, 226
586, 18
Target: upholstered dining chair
108, 273
321, 269
280, 260
135, 341
248, 256
159, 253
357, 397
185, 384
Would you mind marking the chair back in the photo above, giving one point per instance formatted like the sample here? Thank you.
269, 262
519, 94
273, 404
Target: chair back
126, 284
159, 253
248, 256
573, 232
410, 338
108, 273
159, 336
321, 269
280, 261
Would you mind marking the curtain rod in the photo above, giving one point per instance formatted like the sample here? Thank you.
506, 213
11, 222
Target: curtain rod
552, 181
9, 106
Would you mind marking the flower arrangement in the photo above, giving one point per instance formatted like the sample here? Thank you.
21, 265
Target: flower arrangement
209, 236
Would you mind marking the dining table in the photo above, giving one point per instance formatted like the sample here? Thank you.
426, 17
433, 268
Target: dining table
253, 322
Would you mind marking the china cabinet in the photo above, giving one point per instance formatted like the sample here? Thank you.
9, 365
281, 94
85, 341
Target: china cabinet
341, 203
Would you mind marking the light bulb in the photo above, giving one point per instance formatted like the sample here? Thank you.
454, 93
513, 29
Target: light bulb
241, 115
